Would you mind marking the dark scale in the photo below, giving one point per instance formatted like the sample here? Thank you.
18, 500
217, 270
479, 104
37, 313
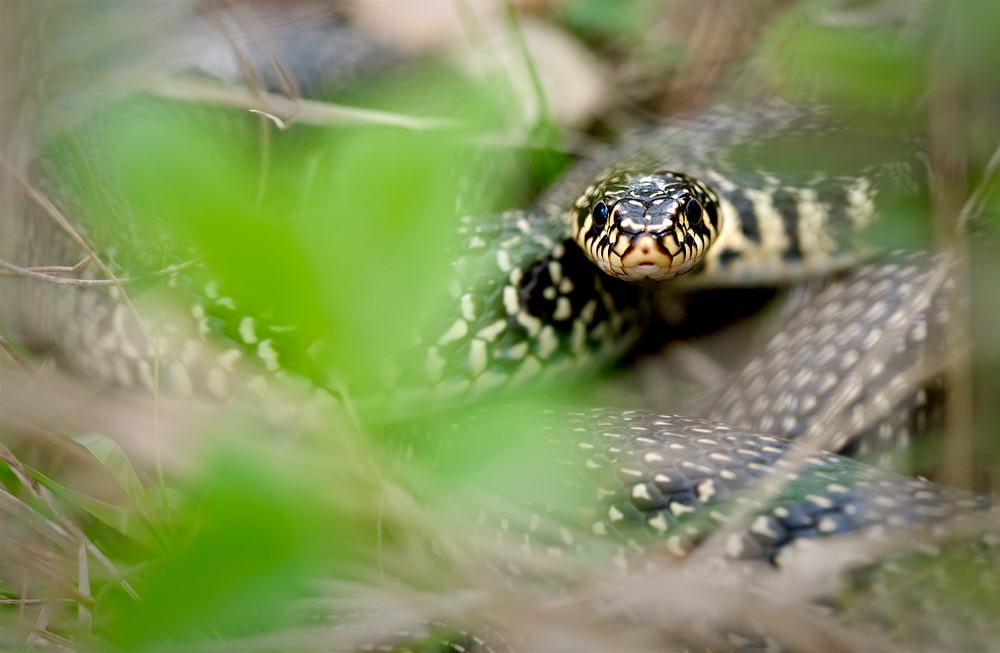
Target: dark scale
831, 495
650, 503
746, 212
785, 204
728, 255
536, 280
834, 196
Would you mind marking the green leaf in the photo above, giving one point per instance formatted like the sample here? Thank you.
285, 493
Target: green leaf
846, 66
111, 456
501, 448
343, 238
176, 499
622, 20
117, 517
264, 523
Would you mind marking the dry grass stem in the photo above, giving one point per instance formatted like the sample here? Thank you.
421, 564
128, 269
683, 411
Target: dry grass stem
310, 112
33, 273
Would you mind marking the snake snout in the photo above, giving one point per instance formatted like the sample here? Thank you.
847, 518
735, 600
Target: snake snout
629, 215
636, 217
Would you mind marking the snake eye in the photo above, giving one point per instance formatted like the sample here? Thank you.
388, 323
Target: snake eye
693, 212
600, 214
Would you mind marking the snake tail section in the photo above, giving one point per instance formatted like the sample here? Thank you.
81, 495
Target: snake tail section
662, 487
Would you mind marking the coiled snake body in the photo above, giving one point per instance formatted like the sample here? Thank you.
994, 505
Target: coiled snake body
526, 299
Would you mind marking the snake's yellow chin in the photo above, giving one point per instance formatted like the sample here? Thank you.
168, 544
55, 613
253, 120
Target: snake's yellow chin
646, 271
647, 259
646, 251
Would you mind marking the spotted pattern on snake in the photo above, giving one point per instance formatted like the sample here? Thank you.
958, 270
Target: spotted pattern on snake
662, 484
874, 341
665, 482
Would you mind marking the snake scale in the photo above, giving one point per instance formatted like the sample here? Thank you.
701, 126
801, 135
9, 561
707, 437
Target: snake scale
527, 304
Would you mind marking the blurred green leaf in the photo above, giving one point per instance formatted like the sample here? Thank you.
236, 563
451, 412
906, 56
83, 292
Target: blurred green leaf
503, 448
903, 223
339, 243
176, 499
845, 66
618, 20
264, 520
111, 456
376, 247
971, 29
121, 519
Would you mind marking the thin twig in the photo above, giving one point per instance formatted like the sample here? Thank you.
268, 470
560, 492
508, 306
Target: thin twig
39, 198
948, 176
32, 273
83, 583
544, 116
379, 515
261, 37
160, 480
44, 616
36, 521
52, 637
281, 124
21, 361
977, 200
61, 269
309, 112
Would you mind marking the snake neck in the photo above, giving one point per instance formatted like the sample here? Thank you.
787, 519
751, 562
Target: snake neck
524, 304
776, 232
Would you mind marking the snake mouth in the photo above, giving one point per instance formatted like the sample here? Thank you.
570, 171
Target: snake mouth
645, 271
648, 259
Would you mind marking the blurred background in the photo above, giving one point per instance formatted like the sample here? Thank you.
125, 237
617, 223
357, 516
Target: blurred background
308, 161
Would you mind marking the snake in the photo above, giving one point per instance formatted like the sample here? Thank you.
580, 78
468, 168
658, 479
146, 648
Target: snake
568, 287
571, 287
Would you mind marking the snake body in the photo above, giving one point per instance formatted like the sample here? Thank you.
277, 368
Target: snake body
526, 302
660, 484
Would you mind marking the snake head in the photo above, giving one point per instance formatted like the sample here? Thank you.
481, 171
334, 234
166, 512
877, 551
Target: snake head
646, 226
